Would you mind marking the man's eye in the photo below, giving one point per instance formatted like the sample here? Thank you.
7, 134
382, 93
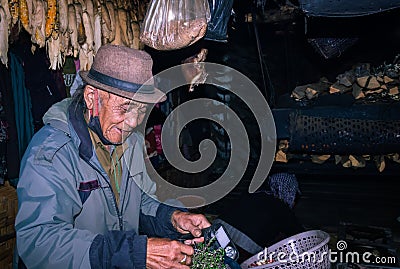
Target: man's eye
123, 109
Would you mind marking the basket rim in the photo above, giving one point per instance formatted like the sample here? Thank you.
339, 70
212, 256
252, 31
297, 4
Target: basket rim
286, 240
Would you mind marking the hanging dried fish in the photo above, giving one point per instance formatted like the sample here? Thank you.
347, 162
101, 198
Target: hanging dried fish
51, 17
3, 36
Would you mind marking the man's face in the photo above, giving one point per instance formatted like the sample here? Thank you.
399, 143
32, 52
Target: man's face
119, 116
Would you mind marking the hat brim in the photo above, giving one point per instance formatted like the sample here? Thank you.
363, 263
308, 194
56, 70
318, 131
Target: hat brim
155, 97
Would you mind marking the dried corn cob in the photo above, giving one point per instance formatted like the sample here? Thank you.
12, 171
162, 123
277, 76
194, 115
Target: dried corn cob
14, 10
4, 4
51, 17
63, 15
79, 23
24, 15
38, 23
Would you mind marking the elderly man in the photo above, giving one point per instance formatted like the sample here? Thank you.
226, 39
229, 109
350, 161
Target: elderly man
85, 198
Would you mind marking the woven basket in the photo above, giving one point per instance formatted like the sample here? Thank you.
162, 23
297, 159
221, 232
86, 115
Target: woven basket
307, 250
8, 211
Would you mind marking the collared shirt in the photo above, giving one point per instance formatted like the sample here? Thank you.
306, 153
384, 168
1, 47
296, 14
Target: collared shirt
110, 159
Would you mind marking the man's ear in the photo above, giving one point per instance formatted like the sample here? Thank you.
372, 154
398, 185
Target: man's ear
89, 94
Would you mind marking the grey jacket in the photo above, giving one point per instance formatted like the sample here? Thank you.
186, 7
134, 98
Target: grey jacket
68, 216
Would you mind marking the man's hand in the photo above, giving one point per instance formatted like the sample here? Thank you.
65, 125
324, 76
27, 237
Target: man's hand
186, 222
167, 254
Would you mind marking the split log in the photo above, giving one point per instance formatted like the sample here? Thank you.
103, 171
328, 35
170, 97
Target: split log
357, 161
394, 91
357, 91
338, 159
299, 92
373, 83
311, 93
281, 157
337, 87
347, 79
319, 159
387, 79
369, 82
380, 162
373, 91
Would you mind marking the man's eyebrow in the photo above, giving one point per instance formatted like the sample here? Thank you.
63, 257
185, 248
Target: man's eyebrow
134, 104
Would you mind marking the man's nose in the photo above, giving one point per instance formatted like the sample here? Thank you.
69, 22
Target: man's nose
131, 120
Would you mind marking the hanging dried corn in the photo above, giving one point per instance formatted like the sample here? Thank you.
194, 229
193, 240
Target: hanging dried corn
123, 25
79, 23
53, 51
97, 32
6, 8
38, 23
111, 11
63, 15
105, 24
73, 31
51, 16
24, 15
88, 33
14, 10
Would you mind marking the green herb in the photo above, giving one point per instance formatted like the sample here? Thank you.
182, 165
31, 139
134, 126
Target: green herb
206, 258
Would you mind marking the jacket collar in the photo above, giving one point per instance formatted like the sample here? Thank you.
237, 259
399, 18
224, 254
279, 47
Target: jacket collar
79, 125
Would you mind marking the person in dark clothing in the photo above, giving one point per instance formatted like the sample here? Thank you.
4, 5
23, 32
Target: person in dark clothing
266, 216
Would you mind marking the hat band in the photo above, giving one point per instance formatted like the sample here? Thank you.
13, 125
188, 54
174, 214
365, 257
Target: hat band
120, 84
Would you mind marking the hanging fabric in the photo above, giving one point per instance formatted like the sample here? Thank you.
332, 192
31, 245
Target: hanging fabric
22, 104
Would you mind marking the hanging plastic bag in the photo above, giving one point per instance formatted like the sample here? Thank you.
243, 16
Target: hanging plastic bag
217, 27
174, 24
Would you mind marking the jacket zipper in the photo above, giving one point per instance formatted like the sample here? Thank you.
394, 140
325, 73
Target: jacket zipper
120, 222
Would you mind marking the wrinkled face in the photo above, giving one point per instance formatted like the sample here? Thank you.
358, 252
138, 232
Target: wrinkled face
118, 116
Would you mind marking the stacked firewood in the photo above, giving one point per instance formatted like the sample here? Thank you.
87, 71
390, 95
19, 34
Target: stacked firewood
366, 84
283, 155
361, 81
71, 27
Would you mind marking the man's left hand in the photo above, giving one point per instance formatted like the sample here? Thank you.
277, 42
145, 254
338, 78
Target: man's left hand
186, 222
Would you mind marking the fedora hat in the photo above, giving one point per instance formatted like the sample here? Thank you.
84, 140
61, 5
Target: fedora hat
125, 72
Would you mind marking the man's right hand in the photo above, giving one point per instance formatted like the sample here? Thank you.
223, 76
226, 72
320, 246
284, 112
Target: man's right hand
165, 253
